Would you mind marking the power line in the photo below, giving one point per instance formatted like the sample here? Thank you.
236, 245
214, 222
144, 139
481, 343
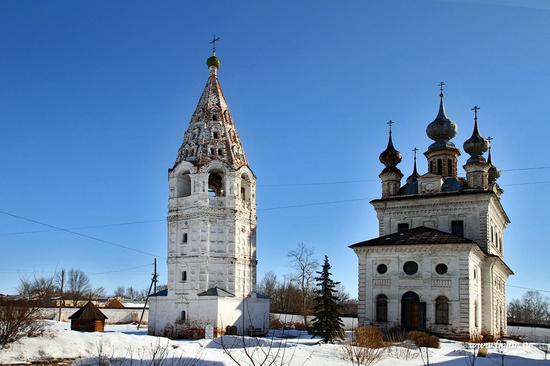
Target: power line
316, 183
527, 288
82, 227
535, 168
313, 204
119, 270
375, 180
79, 234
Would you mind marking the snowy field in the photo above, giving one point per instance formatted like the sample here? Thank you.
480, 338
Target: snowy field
124, 345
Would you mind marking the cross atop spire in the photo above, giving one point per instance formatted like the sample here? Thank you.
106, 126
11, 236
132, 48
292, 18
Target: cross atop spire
390, 123
441, 84
213, 43
475, 109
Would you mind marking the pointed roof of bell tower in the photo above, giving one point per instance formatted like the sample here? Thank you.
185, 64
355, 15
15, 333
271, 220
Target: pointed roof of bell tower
211, 134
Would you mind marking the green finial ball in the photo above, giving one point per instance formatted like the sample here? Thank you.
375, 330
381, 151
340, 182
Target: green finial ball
213, 61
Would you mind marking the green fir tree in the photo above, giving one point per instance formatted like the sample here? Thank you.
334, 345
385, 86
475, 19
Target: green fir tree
327, 323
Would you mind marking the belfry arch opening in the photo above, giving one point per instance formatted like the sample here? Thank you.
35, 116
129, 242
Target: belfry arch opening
215, 183
183, 184
246, 187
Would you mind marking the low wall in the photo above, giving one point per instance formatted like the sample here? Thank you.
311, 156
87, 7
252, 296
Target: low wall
530, 334
349, 323
114, 316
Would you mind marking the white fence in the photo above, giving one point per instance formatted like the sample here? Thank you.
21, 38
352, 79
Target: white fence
114, 316
530, 334
349, 323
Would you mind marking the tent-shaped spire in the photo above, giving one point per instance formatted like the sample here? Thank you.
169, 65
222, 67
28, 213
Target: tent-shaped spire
211, 134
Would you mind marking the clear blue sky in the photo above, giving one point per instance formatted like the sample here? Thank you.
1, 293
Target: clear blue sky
95, 97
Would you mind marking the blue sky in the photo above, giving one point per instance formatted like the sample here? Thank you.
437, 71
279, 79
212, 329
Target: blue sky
95, 98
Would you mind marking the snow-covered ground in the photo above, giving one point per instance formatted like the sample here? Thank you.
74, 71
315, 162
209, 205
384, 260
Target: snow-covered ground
124, 345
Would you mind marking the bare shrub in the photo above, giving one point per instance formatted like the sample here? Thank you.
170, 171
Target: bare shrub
366, 348
157, 354
423, 339
19, 318
362, 355
368, 336
275, 322
403, 351
22, 317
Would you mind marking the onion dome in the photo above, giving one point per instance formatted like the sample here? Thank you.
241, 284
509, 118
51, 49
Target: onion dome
414, 176
390, 157
442, 129
213, 61
494, 172
476, 145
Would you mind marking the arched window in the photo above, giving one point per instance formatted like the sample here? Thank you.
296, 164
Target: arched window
442, 310
215, 183
381, 308
245, 187
183, 184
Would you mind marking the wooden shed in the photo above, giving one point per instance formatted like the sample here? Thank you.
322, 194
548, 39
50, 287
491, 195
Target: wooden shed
88, 319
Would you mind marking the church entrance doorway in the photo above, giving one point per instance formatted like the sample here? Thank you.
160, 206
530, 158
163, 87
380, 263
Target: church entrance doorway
413, 312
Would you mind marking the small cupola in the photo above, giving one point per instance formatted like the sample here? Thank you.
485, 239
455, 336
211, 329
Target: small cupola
442, 129
390, 157
476, 145
391, 175
442, 154
414, 176
494, 172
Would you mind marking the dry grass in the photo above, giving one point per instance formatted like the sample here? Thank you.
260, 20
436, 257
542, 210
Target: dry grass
423, 339
368, 336
366, 348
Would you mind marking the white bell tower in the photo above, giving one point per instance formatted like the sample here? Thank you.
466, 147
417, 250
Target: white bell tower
211, 227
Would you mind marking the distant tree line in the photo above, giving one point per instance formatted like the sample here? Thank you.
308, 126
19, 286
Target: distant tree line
532, 308
71, 286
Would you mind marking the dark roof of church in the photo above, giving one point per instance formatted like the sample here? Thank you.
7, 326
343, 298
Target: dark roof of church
160, 293
415, 236
88, 312
216, 291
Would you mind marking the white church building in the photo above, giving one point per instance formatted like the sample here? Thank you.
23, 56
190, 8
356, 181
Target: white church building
211, 231
438, 264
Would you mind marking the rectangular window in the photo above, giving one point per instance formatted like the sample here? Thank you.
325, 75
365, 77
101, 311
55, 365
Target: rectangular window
182, 316
184, 276
402, 227
457, 228
449, 167
184, 239
381, 308
442, 310
439, 167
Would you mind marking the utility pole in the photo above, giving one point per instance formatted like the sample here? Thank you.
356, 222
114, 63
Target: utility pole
61, 300
153, 285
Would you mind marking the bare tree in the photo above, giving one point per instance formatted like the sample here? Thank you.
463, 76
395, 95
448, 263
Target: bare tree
20, 317
304, 266
37, 288
119, 292
131, 293
268, 284
78, 284
533, 308
99, 292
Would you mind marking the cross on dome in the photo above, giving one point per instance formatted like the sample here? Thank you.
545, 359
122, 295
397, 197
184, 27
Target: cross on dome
213, 43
